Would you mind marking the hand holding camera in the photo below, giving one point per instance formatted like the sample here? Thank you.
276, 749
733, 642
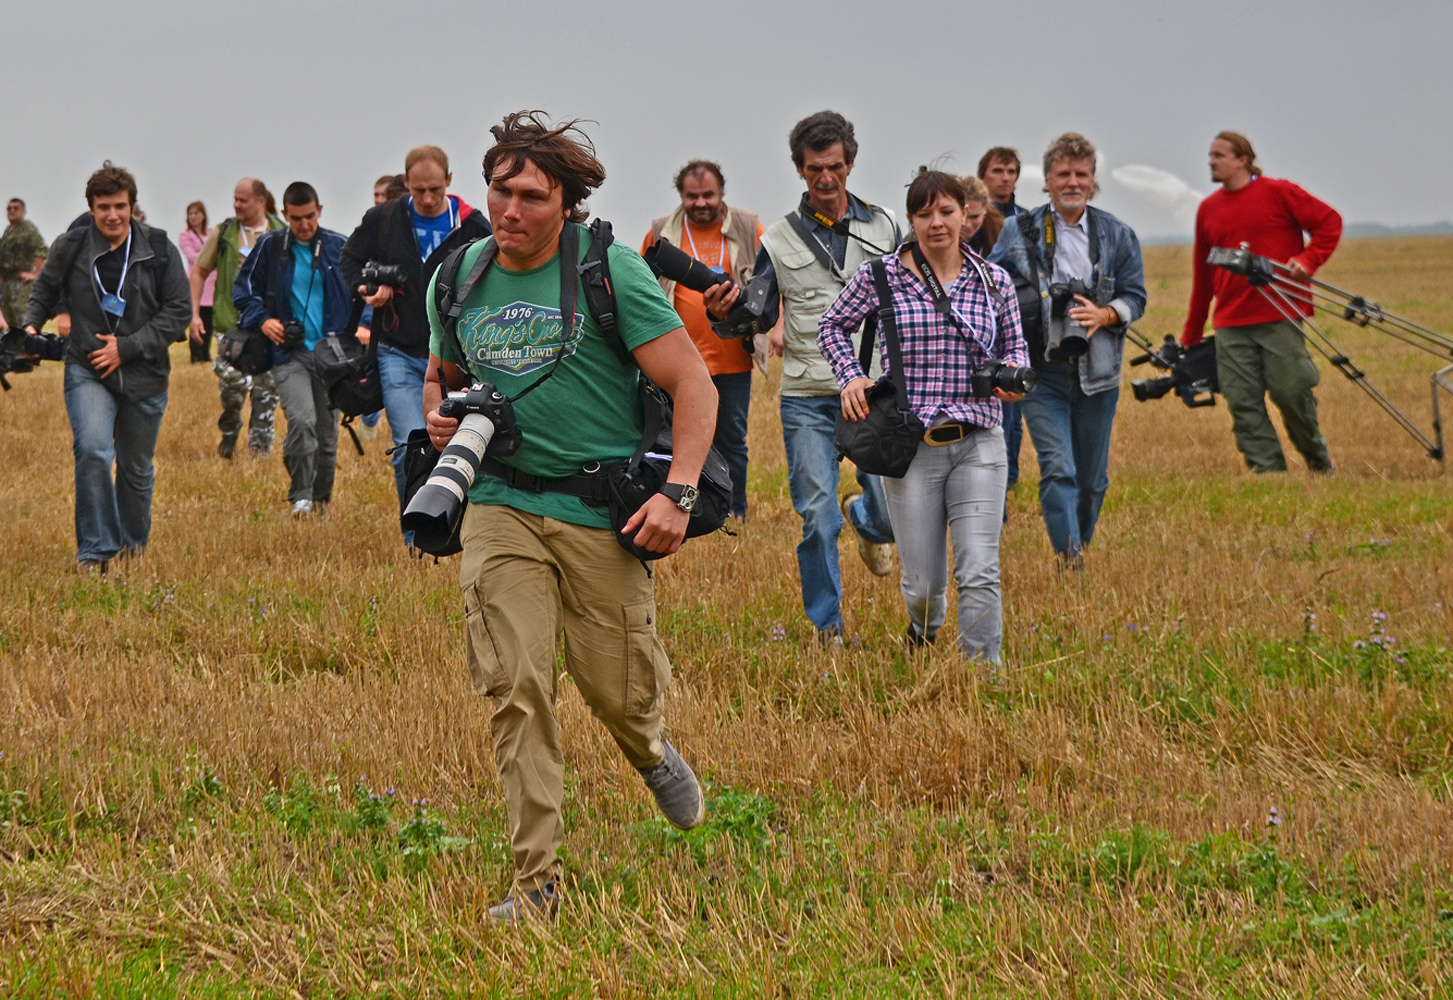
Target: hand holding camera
740, 308
380, 281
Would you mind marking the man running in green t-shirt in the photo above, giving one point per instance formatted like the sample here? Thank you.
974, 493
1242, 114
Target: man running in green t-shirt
538, 563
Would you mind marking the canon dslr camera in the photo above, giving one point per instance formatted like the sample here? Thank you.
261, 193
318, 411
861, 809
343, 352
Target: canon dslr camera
745, 319
1067, 339
998, 375
486, 425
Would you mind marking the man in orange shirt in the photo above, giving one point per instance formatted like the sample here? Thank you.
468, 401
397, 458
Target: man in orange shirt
724, 239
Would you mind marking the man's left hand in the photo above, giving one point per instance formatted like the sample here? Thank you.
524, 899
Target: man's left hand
105, 359
362, 334
662, 525
1297, 271
1091, 316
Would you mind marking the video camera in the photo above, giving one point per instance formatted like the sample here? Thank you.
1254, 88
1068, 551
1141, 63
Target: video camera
1192, 373
1254, 268
745, 319
20, 352
486, 425
375, 275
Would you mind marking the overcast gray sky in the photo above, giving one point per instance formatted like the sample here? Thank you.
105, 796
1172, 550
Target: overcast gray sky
1352, 100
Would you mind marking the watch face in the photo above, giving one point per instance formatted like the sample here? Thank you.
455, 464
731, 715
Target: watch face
688, 499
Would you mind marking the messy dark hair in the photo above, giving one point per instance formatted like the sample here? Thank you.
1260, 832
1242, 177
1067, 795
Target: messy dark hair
927, 187
527, 137
700, 167
822, 131
998, 154
110, 179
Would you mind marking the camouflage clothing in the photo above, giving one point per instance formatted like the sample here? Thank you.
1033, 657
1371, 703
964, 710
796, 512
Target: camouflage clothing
233, 387
20, 245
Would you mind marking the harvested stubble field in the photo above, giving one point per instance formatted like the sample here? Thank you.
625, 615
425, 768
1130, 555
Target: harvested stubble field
1198, 775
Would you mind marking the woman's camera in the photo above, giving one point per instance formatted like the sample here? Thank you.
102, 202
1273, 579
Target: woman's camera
998, 375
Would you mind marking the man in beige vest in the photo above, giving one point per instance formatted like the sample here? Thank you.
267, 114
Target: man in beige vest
809, 256
726, 240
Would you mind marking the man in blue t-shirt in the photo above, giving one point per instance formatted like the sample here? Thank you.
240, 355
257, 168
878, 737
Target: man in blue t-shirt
292, 289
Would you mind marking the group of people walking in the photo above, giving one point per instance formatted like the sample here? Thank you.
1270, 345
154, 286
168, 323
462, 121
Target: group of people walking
975, 283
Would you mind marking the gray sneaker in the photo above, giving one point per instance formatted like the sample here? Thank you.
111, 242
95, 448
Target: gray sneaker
677, 794
538, 904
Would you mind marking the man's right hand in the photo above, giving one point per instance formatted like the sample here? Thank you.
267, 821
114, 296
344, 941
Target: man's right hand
378, 298
441, 429
273, 330
719, 299
197, 328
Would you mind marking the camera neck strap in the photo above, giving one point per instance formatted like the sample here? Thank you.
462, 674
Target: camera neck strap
940, 297
798, 221
1092, 234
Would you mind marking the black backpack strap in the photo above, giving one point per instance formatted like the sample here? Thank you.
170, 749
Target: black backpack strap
799, 226
161, 253
569, 290
450, 292
595, 282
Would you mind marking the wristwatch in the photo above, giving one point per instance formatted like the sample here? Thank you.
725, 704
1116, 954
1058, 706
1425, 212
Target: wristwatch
682, 495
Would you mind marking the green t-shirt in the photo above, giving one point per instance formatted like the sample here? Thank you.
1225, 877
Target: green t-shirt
590, 409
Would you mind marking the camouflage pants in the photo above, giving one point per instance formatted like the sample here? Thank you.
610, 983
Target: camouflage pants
14, 297
233, 387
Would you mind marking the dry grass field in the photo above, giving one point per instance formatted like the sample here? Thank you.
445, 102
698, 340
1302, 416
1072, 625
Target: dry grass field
251, 764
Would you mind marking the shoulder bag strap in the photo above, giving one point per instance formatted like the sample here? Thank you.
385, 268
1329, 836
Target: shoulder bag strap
799, 226
889, 323
278, 261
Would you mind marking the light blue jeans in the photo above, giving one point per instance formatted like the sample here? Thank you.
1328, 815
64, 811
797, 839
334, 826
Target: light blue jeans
401, 375
112, 516
812, 476
955, 490
1071, 433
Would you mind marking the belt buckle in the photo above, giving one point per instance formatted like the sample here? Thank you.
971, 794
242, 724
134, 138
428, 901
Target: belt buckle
932, 438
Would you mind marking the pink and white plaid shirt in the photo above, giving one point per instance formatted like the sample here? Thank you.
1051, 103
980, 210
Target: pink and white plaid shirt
938, 357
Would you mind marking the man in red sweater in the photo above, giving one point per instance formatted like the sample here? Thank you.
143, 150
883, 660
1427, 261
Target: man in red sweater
1258, 350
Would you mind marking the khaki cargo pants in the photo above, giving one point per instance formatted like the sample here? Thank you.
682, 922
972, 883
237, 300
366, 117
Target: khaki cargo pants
1270, 359
526, 580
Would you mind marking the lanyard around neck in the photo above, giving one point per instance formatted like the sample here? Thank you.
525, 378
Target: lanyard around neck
838, 226
125, 266
721, 247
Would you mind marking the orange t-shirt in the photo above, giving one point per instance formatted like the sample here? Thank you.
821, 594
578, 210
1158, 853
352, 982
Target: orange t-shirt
722, 357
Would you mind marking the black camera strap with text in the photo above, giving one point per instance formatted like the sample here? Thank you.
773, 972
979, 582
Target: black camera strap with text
940, 298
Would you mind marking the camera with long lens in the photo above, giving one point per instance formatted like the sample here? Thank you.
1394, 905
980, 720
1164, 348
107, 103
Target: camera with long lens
486, 426
1253, 267
1192, 373
1067, 339
375, 275
744, 319
999, 375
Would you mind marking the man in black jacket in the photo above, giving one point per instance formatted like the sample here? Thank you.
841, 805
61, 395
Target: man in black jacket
414, 233
126, 284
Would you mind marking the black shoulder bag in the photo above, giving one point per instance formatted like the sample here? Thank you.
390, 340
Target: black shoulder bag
249, 351
884, 442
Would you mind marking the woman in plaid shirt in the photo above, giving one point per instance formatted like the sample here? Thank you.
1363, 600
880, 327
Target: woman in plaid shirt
956, 482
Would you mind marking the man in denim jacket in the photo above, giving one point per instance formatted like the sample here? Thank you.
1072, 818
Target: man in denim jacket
1070, 414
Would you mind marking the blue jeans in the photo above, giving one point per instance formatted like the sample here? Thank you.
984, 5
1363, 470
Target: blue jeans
111, 516
402, 377
812, 476
1071, 433
734, 396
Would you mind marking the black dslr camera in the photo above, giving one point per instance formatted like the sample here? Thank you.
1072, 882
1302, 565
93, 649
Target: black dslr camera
1192, 373
20, 352
293, 334
1067, 339
375, 275
744, 319
998, 375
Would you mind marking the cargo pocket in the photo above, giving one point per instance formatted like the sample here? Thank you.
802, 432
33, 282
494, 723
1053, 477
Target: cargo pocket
484, 662
646, 669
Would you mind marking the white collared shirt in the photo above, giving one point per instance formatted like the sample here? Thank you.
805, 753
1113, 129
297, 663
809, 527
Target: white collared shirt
1072, 249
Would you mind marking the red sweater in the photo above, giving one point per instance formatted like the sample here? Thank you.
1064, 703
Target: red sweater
1270, 215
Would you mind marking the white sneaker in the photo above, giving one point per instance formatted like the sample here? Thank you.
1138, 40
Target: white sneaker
302, 507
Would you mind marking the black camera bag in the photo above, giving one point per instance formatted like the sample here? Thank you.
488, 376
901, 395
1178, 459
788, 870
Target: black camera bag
349, 370
249, 351
884, 442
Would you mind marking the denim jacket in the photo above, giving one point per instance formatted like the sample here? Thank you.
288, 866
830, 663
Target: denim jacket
249, 291
1119, 283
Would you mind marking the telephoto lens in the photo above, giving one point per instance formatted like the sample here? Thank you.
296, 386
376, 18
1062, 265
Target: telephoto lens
434, 512
668, 262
